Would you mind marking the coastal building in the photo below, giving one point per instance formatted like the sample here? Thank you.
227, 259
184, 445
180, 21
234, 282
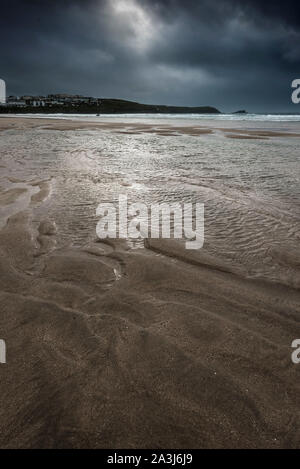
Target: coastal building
15, 101
2, 92
35, 101
52, 100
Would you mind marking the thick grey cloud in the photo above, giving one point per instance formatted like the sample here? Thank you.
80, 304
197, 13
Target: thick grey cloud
228, 53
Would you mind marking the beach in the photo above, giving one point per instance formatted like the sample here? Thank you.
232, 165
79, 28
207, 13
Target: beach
144, 344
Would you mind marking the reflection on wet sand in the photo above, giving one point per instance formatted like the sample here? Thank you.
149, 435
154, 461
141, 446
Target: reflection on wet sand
156, 347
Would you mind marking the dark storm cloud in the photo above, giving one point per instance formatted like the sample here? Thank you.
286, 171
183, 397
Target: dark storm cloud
228, 53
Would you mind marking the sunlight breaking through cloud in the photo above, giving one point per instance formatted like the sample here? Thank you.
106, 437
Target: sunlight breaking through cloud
136, 21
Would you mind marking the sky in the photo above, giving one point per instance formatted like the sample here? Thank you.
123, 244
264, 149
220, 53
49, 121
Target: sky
231, 54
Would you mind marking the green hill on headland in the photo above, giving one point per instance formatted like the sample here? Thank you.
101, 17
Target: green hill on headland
109, 106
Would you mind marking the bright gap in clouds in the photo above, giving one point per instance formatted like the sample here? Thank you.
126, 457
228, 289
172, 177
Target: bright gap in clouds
140, 27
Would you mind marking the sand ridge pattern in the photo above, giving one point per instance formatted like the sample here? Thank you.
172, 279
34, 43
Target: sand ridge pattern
110, 347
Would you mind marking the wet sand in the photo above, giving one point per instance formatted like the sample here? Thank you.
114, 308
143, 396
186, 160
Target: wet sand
159, 347
7, 123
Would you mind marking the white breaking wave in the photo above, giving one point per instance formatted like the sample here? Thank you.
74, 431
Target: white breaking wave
213, 117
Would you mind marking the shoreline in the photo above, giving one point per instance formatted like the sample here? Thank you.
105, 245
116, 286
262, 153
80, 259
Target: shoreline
191, 128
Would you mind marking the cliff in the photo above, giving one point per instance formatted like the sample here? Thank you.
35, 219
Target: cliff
110, 106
